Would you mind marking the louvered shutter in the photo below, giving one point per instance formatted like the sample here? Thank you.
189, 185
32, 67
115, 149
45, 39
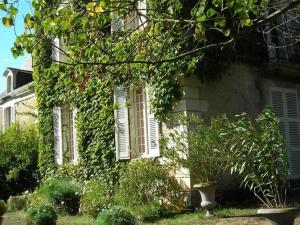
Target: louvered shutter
142, 7
285, 104
55, 49
75, 141
121, 124
57, 127
153, 129
13, 114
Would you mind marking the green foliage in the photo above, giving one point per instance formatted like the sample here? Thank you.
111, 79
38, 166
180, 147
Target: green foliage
258, 154
41, 215
146, 183
16, 202
197, 147
18, 160
115, 216
3, 207
159, 55
36, 198
62, 193
44, 90
96, 196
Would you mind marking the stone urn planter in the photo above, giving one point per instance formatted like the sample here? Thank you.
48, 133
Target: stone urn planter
208, 193
279, 216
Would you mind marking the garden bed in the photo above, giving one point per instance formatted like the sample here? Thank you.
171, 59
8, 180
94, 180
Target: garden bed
224, 217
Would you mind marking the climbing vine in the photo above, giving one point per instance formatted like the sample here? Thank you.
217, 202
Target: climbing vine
102, 48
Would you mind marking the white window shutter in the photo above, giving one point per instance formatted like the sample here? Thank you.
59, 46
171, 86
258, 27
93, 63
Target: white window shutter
142, 7
55, 49
75, 141
121, 124
285, 104
57, 127
153, 129
13, 114
292, 115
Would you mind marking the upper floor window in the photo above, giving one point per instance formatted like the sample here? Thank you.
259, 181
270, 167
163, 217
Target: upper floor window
9, 84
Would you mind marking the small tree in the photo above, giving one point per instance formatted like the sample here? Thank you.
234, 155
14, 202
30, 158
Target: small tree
18, 160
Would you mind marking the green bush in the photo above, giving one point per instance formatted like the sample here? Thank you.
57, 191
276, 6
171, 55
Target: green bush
42, 215
2, 208
198, 148
115, 216
16, 202
95, 197
18, 160
146, 184
258, 154
63, 193
36, 198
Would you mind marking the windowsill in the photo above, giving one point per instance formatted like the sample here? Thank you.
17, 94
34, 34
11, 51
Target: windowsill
145, 155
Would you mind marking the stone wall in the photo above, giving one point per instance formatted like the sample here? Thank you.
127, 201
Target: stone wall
25, 111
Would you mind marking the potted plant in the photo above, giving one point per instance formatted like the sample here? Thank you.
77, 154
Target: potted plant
2, 210
258, 154
198, 148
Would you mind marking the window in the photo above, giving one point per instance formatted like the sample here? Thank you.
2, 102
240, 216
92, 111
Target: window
7, 118
8, 84
134, 20
139, 110
285, 104
136, 129
65, 140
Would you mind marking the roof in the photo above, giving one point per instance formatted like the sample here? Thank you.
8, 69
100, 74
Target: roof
26, 89
15, 69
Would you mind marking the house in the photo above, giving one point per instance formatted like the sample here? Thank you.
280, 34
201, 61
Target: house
17, 102
244, 87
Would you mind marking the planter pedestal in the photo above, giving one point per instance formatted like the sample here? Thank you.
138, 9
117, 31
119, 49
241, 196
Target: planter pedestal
284, 216
1, 220
207, 193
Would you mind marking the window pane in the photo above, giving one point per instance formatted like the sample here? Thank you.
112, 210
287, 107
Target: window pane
139, 106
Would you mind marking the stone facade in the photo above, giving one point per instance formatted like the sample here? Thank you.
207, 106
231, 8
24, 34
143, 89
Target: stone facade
25, 111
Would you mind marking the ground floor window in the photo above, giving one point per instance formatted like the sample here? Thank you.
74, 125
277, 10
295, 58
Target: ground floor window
65, 141
285, 104
136, 129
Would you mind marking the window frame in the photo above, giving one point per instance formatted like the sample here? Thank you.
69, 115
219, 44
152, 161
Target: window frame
133, 129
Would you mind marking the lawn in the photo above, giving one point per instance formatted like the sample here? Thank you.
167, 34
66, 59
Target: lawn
223, 217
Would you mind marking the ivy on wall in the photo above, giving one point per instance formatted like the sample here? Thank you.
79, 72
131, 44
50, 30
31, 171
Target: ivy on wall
98, 60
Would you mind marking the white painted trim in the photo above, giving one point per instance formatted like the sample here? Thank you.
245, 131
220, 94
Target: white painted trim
16, 100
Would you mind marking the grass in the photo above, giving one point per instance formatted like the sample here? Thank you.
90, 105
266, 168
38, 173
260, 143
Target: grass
223, 217
17, 218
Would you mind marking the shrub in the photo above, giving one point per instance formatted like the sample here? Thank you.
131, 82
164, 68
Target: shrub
2, 208
62, 193
18, 160
36, 198
198, 148
258, 154
42, 215
115, 216
95, 196
16, 202
146, 183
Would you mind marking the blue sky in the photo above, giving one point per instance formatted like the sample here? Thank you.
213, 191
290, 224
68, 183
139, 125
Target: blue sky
7, 37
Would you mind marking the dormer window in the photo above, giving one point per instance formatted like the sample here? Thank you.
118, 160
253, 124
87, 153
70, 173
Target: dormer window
8, 84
